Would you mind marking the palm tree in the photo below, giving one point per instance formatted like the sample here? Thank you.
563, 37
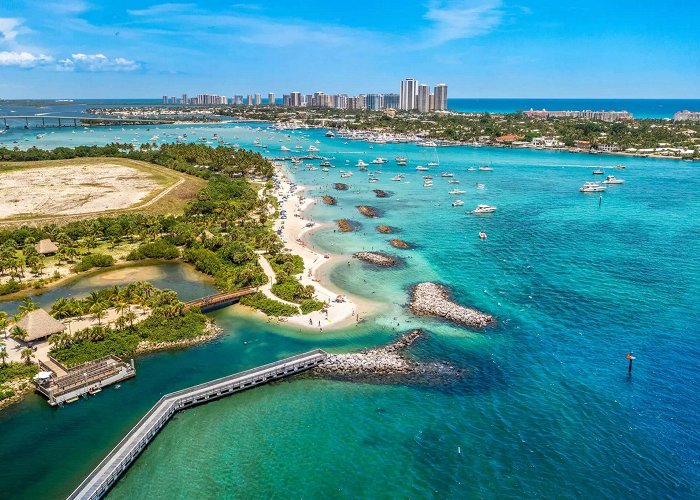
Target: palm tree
28, 305
130, 317
61, 308
27, 354
3, 323
3, 354
19, 332
98, 311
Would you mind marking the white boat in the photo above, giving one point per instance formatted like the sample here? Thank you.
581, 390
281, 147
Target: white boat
484, 209
471, 169
361, 163
485, 168
433, 164
396, 178
592, 187
330, 134
345, 175
313, 148
379, 161
285, 148
453, 181
598, 171
457, 203
447, 174
422, 168
400, 160
373, 179
325, 169
620, 167
457, 191
611, 179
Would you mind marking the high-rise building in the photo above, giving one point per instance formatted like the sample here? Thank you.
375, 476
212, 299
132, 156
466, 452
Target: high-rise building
423, 101
249, 100
391, 101
271, 99
431, 107
441, 97
296, 100
165, 99
408, 94
374, 102
258, 99
340, 101
184, 99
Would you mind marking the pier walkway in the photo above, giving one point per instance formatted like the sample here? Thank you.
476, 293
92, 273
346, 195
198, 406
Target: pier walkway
219, 300
44, 121
123, 455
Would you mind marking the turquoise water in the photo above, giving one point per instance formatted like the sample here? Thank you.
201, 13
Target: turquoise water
548, 408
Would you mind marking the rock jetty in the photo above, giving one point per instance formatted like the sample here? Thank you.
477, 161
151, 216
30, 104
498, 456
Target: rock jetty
345, 226
368, 211
399, 244
385, 229
431, 299
388, 364
329, 200
377, 258
341, 187
381, 194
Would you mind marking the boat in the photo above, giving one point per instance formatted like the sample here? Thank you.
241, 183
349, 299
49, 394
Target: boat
361, 163
373, 179
457, 203
485, 168
592, 187
325, 169
453, 181
447, 174
396, 178
483, 235
400, 160
422, 168
330, 134
285, 148
471, 169
313, 148
457, 191
325, 163
598, 171
611, 179
379, 161
94, 391
620, 167
484, 209
433, 164
345, 175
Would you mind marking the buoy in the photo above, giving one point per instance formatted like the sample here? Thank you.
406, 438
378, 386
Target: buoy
630, 356
459, 450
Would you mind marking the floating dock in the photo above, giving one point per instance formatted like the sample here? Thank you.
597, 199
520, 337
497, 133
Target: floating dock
106, 474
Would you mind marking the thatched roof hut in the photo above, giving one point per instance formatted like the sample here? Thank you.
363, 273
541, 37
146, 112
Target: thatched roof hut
39, 324
46, 247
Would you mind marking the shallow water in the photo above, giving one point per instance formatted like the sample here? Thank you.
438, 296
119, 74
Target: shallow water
548, 409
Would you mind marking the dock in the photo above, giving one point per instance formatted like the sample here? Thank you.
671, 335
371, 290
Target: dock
46, 121
219, 300
106, 474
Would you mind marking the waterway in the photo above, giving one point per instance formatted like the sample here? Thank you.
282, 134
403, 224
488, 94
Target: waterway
548, 408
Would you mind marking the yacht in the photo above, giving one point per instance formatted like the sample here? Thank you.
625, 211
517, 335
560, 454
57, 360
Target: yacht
433, 164
345, 175
361, 163
313, 148
620, 167
483, 235
592, 187
457, 191
485, 168
427, 144
457, 203
325, 169
401, 161
397, 178
484, 209
471, 169
330, 134
422, 168
611, 179
453, 181
285, 148
447, 174
373, 179
325, 163
598, 171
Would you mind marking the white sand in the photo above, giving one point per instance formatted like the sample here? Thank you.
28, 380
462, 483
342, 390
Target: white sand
75, 189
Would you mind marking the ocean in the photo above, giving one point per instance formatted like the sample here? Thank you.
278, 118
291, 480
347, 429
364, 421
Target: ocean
547, 408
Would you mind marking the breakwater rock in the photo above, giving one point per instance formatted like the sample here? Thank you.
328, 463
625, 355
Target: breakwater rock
431, 299
385, 229
377, 258
368, 211
381, 194
400, 244
345, 226
388, 364
329, 200
340, 186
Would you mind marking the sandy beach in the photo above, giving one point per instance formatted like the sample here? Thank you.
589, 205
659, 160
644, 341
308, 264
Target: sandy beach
294, 229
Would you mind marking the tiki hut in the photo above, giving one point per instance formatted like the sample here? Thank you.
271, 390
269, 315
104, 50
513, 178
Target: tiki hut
46, 247
39, 325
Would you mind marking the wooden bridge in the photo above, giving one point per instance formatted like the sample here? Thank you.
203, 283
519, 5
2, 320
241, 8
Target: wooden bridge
106, 474
219, 300
77, 121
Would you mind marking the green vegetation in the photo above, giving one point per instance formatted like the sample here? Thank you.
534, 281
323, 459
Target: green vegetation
286, 263
311, 305
292, 291
10, 372
93, 260
269, 306
159, 249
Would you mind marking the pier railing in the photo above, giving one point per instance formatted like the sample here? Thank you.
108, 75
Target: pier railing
105, 475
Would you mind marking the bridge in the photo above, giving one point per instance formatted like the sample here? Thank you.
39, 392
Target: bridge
106, 474
78, 121
211, 302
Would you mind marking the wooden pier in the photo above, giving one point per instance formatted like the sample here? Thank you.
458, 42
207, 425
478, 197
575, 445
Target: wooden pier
106, 474
46, 121
211, 302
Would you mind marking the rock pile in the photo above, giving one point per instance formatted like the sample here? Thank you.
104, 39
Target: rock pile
380, 193
341, 187
378, 258
385, 229
329, 200
430, 299
368, 211
345, 226
399, 244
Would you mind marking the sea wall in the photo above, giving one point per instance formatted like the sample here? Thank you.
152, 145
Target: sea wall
431, 299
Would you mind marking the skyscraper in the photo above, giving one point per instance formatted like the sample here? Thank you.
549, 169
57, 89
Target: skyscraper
423, 98
165, 99
271, 99
184, 99
374, 102
391, 101
258, 99
249, 100
408, 94
441, 97
296, 99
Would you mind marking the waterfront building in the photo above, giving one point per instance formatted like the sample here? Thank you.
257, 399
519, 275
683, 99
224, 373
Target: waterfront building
690, 116
258, 99
286, 100
340, 101
271, 99
440, 97
296, 99
165, 99
432, 103
238, 99
391, 101
249, 100
374, 102
184, 100
606, 116
408, 94
423, 100
173, 100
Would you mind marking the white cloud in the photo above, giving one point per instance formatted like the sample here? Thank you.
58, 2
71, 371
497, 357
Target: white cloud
456, 20
163, 8
96, 63
24, 59
67, 7
10, 27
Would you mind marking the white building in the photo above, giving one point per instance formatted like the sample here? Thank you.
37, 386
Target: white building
407, 99
441, 97
423, 101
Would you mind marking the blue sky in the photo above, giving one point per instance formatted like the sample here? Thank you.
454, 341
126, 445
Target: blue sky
480, 48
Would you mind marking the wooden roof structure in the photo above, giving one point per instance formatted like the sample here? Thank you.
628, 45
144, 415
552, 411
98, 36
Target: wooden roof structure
40, 324
46, 247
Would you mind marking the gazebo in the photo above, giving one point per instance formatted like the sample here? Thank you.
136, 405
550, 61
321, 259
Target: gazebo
39, 324
46, 247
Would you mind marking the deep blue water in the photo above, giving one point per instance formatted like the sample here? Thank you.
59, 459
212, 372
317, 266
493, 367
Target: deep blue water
548, 409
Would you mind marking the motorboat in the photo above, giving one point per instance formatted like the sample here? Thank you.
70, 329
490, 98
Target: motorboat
397, 178
457, 203
484, 209
330, 134
592, 187
611, 179
471, 169
598, 171
483, 235
433, 164
325, 169
325, 163
453, 181
422, 168
485, 168
620, 167
313, 148
345, 175
457, 191
285, 148
401, 161
379, 161
361, 163
447, 174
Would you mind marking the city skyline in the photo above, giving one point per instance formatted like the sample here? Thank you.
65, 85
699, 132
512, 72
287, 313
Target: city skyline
484, 48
